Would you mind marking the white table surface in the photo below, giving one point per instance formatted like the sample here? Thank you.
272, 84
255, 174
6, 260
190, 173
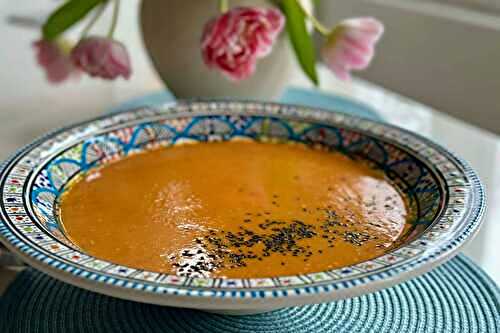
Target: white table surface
29, 107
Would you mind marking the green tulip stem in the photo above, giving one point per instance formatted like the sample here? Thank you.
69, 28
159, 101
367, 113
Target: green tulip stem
316, 24
114, 19
97, 14
223, 6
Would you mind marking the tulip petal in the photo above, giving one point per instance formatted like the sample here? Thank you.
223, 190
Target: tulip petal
56, 63
102, 57
235, 40
351, 45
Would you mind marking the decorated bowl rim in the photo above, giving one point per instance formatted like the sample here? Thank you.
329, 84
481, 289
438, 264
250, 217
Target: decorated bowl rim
469, 218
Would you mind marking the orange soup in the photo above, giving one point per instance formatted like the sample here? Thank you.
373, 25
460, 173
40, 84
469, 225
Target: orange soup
234, 209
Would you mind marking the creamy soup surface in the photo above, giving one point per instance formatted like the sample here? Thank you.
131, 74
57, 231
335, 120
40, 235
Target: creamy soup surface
234, 209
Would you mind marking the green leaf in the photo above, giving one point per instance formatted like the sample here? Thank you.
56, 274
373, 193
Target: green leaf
65, 16
301, 39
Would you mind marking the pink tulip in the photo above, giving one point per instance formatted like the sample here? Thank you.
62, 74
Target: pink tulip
102, 57
55, 60
351, 45
233, 41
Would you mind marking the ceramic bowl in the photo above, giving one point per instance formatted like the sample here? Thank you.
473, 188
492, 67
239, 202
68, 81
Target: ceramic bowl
444, 191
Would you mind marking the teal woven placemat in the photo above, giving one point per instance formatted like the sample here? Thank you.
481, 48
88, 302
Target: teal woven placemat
455, 297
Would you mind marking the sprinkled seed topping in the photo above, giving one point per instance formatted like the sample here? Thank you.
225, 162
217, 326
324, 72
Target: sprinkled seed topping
266, 236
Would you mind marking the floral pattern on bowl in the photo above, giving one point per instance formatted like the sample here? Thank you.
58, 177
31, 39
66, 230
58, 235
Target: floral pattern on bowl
443, 191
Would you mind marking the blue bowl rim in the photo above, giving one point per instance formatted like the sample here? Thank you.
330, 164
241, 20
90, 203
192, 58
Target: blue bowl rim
474, 215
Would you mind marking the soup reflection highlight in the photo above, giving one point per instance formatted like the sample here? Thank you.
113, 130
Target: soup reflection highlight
234, 209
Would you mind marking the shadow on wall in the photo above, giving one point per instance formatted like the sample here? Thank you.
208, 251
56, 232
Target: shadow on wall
447, 57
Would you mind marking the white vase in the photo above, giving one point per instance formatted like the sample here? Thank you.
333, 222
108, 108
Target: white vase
172, 31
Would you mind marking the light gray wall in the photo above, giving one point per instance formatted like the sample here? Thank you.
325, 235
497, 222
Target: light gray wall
486, 6
446, 57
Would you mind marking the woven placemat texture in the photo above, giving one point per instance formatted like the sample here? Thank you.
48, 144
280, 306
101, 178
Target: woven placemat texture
455, 297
